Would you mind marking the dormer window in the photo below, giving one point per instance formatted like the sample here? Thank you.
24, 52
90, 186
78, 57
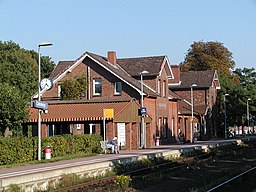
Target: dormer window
97, 86
118, 88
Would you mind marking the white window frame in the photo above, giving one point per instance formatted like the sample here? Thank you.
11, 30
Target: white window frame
59, 91
116, 87
160, 126
97, 81
164, 88
159, 86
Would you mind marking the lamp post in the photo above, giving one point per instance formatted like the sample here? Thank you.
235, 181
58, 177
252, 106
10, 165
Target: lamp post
248, 114
192, 111
43, 44
143, 132
225, 115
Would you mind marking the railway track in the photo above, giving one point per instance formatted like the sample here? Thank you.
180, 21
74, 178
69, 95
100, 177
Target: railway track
231, 184
144, 173
179, 170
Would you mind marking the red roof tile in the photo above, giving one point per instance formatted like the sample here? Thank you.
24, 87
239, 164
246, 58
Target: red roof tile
80, 111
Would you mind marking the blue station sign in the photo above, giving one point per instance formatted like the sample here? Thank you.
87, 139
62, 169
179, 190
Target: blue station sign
143, 110
39, 105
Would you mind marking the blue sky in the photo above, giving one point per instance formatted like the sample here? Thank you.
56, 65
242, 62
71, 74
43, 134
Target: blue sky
132, 28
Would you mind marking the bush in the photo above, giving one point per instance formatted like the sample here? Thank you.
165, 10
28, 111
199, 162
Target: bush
24, 149
123, 182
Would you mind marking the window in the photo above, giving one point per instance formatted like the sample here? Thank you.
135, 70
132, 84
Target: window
164, 88
159, 126
59, 90
97, 87
165, 127
159, 86
118, 88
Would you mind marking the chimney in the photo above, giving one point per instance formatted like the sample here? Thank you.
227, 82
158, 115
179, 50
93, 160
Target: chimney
112, 57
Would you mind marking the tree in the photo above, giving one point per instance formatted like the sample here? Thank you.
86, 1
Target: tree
19, 78
73, 89
208, 56
13, 109
247, 78
239, 88
239, 84
47, 65
19, 68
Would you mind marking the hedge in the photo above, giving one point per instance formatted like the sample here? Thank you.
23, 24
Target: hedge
24, 149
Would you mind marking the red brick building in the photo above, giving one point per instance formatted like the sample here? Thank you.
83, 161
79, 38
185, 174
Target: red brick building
113, 84
199, 88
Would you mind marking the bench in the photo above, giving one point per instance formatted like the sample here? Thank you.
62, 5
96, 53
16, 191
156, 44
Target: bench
103, 145
105, 148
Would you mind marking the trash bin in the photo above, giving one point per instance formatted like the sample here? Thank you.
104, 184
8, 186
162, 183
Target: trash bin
157, 141
47, 152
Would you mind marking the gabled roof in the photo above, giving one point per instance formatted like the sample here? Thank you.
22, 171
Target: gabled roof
65, 67
152, 64
60, 68
202, 79
119, 72
173, 95
136, 65
185, 108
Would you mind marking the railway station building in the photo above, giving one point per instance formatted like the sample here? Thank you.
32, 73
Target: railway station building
117, 91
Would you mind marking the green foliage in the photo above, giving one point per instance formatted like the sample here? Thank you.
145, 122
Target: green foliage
18, 82
68, 180
208, 56
23, 149
241, 85
123, 182
47, 65
13, 108
73, 89
18, 68
13, 188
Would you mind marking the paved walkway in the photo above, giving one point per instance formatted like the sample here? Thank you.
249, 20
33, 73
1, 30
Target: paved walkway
38, 175
104, 157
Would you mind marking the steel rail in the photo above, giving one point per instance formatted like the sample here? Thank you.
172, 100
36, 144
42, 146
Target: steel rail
233, 178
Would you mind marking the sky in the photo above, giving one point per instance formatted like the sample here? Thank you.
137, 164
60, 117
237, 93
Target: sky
132, 28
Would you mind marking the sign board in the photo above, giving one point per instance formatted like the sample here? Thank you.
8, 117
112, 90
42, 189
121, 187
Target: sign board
39, 105
193, 120
143, 111
121, 134
108, 113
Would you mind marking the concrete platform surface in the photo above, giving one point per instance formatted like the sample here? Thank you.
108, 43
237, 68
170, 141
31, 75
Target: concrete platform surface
31, 175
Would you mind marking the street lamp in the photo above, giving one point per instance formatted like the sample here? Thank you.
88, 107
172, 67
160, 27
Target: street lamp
248, 114
225, 115
192, 111
143, 135
43, 44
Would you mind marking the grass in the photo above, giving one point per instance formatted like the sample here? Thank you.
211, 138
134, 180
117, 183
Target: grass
54, 159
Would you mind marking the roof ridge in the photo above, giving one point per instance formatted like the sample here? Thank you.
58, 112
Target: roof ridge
141, 57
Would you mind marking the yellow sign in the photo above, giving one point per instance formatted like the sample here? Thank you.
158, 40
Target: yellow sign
193, 120
108, 113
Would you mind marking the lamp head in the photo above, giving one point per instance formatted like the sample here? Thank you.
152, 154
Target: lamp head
194, 85
144, 72
249, 99
226, 94
44, 44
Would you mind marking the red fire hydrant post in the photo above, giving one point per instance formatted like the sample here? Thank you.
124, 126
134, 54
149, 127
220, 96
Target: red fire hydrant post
47, 152
157, 141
